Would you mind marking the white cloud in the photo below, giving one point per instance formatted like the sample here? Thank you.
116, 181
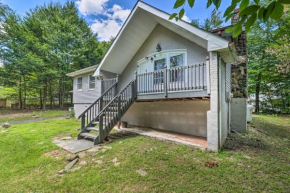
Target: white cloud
109, 27
106, 28
185, 18
117, 12
87, 7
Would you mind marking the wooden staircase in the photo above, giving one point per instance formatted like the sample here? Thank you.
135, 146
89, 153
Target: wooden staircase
100, 118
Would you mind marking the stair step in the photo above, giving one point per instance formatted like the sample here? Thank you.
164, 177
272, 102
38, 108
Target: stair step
95, 122
88, 135
92, 129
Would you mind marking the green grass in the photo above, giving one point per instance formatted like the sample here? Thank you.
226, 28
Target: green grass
257, 161
40, 114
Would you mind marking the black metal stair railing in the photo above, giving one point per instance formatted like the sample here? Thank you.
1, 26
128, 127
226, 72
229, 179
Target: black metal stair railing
114, 110
91, 113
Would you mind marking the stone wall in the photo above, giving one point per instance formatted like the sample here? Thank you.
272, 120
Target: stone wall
240, 69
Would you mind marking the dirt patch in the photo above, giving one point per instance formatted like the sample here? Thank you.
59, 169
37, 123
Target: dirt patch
16, 115
237, 141
52, 153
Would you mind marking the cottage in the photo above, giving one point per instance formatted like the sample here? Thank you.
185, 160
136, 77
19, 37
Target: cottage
160, 74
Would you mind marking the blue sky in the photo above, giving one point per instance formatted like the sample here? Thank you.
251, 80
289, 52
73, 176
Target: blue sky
107, 16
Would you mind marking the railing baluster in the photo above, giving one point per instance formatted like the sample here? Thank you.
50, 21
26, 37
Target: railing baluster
187, 77
199, 82
203, 76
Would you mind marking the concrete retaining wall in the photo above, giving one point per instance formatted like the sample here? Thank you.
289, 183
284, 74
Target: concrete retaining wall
187, 117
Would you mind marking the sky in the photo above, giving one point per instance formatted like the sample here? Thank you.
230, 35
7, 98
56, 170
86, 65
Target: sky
106, 17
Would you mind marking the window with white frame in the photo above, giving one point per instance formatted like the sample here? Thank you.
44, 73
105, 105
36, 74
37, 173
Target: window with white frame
92, 82
170, 59
159, 65
79, 83
176, 60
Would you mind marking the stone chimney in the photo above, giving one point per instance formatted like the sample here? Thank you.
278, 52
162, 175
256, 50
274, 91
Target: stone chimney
240, 69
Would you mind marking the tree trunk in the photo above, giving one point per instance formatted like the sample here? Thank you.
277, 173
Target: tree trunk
258, 85
59, 93
40, 97
63, 96
51, 96
24, 100
20, 93
44, 96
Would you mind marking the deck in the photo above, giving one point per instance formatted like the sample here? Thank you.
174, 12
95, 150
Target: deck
177, 82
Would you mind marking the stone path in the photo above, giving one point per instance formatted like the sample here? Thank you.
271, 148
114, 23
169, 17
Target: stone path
34, 120
74, 146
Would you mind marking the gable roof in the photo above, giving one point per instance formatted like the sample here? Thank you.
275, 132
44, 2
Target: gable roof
139, 25
82, 71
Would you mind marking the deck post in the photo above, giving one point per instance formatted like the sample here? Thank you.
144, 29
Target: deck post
135, 85
165, 81
83, 122
102, 85
119, 108
116, 87
207, 75
101, 104
101, 128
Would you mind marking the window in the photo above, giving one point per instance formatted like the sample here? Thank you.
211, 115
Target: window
80, 83
170, 59
175, 61
92, 82
158, 66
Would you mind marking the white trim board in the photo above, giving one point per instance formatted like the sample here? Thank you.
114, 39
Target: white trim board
138, 27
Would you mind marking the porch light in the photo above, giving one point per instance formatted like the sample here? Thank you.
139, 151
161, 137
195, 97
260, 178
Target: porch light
158, 48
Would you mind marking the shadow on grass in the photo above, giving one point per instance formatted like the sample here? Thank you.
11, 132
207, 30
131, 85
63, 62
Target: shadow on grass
272, 129
122, 135
237, 141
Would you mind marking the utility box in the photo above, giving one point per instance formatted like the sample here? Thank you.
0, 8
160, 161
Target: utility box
249, 112
239, 114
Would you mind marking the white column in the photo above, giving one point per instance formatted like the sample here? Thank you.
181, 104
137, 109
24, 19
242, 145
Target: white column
212, 114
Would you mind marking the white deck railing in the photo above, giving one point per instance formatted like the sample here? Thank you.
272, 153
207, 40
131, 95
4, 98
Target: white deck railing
176, 79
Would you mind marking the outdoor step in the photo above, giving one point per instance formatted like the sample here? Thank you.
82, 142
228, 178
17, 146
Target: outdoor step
96, 123
88, 135
92, 129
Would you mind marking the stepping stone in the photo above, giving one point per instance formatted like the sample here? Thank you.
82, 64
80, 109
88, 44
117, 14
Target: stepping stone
71, 157
74, 146
82, 154
71, 164
83, 163
66, 138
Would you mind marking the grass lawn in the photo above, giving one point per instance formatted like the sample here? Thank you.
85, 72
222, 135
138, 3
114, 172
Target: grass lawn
17, 115
257, 161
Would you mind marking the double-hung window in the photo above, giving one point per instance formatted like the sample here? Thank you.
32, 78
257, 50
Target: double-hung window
80, 83
92, 82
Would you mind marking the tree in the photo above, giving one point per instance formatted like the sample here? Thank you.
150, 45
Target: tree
13, 52
264, 76
280, 48
62, 42
214, 21
41, 48
249, 11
